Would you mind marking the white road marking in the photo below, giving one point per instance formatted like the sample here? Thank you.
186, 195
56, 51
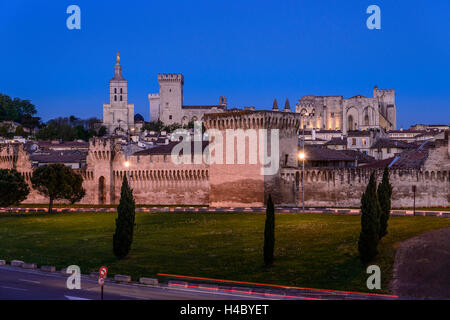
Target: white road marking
75, 298
31, 281
19, 289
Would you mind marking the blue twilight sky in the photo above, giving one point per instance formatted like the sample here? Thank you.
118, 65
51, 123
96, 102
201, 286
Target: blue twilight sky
249, 50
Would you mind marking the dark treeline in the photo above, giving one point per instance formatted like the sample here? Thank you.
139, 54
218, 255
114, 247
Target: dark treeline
22, 113
69, 129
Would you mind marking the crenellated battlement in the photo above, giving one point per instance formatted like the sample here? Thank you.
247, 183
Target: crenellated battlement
352, 176
383, 92
153, 96
101, 148
170, 77
344, 187
253, 120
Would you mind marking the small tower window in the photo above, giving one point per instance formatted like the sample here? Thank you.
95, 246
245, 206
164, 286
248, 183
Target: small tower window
120, 98
120, 90
115, 98
115, 90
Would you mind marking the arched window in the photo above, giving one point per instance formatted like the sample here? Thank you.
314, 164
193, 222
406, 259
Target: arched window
350, 123
120, 90
120, 98
115, 90
115, 98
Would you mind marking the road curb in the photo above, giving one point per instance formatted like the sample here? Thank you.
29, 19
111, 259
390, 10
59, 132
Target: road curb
148, 281
16, 263
122, 278
48, 268
29, 266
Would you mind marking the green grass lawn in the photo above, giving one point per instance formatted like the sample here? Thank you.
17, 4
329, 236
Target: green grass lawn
312, 250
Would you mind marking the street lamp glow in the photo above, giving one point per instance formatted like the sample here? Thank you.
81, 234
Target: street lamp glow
127, 164
301, 156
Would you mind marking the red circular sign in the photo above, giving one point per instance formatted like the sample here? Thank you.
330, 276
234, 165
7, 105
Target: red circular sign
101, 281
103, 272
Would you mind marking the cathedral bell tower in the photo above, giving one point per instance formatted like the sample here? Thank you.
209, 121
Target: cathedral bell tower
118, 115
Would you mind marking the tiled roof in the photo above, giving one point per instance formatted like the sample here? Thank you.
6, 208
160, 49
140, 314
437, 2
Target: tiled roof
337, 142
65, 144
64, 156
408, 159
167, 149
360, 156
390, 143
205, 107
359, 134
407, 131
318, 153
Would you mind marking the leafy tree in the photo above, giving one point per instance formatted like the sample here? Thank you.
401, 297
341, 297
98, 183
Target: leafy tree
269, 233
384, 197
172, 127
102, 131
156, 126
13, 188
68, 129
123, 237
15, 109
4, 130
29, 122
57, 181
370, 217
19, 131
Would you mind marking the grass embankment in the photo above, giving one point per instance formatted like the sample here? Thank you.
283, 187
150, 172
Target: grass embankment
315, 250
100, 206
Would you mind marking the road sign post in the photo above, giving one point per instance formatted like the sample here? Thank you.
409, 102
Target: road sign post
101, 280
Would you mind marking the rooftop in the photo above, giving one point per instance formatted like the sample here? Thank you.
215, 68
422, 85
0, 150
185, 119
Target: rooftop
167, 148
63, 156
389, 143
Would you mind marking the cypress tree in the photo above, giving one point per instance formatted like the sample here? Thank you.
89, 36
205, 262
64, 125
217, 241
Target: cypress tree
123, 237
269, 233
370, 215
384, 197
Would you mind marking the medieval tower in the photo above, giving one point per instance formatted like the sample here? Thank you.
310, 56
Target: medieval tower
118, 114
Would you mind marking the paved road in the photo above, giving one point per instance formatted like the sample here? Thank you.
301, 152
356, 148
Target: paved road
23, 284
17, 283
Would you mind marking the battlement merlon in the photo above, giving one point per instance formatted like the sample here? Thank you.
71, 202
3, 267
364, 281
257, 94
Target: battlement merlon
153, 96
100, 143
380, 92
258, 119
171, 77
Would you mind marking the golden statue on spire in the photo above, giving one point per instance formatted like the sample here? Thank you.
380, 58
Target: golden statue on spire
118, 57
